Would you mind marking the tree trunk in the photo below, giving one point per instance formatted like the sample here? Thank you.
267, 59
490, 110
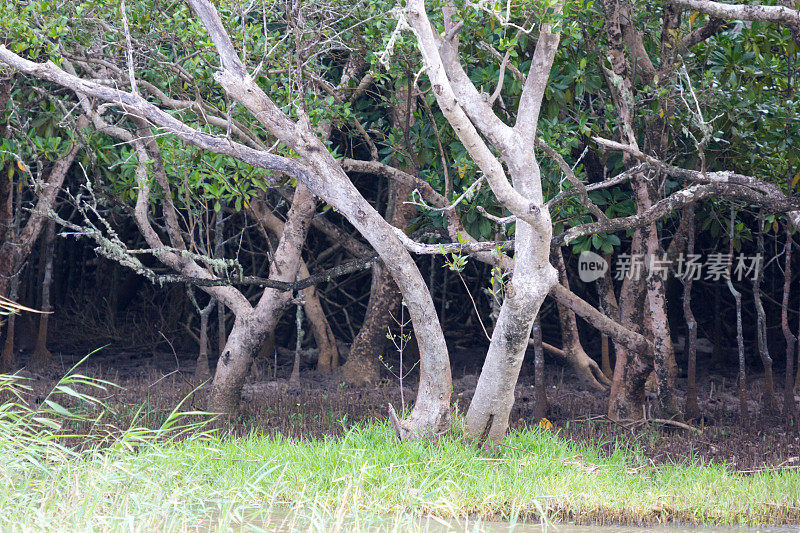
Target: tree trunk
631, 368
791, 340
770, 403
663, 352
202, 371
607, 302
692, 408
533, 277
17, 246
8, 357
540, 406
737, 296
251, 327
41, 355
294, 378
219, 252
584, 367
362, 366
328, 357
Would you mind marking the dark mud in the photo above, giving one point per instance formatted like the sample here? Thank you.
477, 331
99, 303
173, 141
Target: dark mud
322, 406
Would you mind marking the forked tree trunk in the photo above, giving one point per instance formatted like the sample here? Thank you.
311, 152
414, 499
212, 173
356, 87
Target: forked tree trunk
585, 368
692, 408
533, 277
41, 355
328, 356
316, 168
770, 403
251, 327
202, 370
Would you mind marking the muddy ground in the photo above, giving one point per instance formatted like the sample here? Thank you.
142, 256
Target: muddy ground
321, 405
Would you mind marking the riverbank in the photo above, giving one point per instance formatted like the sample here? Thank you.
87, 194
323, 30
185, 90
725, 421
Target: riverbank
187, 477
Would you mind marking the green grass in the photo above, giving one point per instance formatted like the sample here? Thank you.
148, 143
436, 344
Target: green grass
180, 477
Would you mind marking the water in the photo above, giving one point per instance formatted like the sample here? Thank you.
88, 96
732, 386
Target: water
306, 520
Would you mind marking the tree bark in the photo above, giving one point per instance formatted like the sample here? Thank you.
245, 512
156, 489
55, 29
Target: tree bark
632, 367
328, 357
320, 171
791, 340
362, 366
251, 327
8, 357
202, 371
737, 296
663, 352
692, 408
41, 355
16, 248
769, 401
219, 252
540, 406
584, 367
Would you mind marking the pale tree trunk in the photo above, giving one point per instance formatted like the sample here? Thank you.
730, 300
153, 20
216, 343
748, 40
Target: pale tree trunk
202, 371
294, 378
584, 367
692, 408
41, 355
533, 276
742, 386
251, 328
328, 357
473, 120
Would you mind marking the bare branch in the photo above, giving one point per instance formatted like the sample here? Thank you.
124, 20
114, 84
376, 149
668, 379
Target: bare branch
777, 14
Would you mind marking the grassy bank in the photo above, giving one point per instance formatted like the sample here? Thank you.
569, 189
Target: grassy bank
145, 480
